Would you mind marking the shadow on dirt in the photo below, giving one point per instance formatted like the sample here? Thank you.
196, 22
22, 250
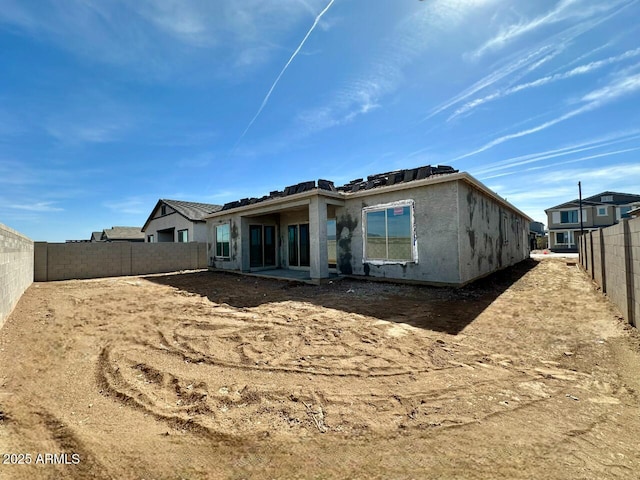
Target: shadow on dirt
446, 310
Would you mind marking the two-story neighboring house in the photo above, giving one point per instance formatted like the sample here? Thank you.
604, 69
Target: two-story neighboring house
598, 211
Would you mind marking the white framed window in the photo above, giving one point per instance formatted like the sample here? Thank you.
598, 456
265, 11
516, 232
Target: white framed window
564, 238
389, 233
623, 212
183, 236
505, 227
568, 216
151, 238
606, 198
222, 240
602, 211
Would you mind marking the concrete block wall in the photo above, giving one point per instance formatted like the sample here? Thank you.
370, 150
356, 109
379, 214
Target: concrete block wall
65, 261
634, 262
16, 269
614, 264
597, 273
613, 238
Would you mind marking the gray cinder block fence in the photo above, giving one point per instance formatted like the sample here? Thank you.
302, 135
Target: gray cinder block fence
611, 256
16, 268
65, 261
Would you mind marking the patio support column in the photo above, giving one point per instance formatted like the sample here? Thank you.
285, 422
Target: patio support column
243, 251
318, 238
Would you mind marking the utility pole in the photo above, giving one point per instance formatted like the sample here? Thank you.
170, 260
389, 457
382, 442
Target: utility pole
580, 203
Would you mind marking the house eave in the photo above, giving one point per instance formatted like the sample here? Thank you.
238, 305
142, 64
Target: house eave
337, 197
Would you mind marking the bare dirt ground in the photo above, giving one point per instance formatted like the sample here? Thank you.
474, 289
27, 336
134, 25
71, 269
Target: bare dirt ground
527, 374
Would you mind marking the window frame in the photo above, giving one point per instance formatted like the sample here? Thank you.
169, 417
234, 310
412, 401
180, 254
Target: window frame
186, 232
414, 239
605, 208
625, 214
570, 238
215, 242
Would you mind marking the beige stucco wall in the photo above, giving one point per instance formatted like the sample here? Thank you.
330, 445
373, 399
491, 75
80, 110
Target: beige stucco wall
484, 244
436, 226
63, 261
197, 230
16, 268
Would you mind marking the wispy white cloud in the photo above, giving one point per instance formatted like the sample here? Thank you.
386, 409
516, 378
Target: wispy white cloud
36, 207
556, 164
579, 70
130, 205
523, 61
596, 143
161, 37
284, 69
410, 38
621, 86
565, 10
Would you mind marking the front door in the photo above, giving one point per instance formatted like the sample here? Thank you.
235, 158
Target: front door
262, 246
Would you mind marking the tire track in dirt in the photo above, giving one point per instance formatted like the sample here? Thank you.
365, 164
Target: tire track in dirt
202, 376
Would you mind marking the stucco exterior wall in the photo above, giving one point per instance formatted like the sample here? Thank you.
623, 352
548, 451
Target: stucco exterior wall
436, 229
197, 230
64, 261
491, 237
16, 269
234, 262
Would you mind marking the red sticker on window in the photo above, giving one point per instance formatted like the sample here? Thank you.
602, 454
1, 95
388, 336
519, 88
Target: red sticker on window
398, 210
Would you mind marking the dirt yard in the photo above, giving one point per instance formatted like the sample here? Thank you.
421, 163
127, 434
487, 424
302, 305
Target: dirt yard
529, 373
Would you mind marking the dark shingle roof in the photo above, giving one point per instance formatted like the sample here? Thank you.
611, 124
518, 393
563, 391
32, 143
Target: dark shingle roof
193, 211
96, 236
618, 199
123, 233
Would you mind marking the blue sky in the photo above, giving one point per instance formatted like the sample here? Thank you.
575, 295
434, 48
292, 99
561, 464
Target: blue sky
107, 106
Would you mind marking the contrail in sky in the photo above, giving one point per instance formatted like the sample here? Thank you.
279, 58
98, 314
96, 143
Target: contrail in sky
293, 55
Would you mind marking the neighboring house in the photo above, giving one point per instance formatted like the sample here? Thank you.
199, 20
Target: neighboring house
598, 211
537, 235
178, 221
122, 234
96, 237
427, 224
635, 213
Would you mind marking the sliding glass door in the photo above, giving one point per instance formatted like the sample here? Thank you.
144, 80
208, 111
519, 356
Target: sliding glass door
299, 245
262, 246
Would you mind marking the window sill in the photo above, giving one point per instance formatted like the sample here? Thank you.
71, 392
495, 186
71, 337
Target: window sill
389, 262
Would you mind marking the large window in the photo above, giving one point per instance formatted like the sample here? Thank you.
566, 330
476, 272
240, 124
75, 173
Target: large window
569, 216
183, 236
388, 232
222, 241
564, 238
624, 212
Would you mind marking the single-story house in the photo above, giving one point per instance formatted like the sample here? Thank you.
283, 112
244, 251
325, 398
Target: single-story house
178, 221
428, 224
122, 234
